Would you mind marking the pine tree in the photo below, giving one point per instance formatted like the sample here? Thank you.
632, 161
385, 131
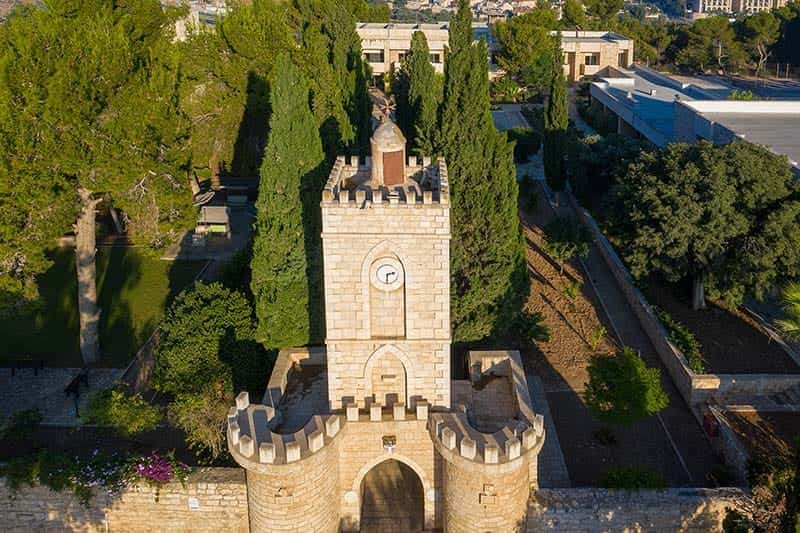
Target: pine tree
556, 121
286, 260
422, 98
487, 269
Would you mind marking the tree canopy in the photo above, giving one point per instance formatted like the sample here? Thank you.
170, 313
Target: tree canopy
556, 122
622, 389
525, 47
724, 216
487, 261
419, 94
286, 265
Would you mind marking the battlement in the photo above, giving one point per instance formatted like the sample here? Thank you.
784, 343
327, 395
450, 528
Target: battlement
252, 442
349, 184
256, 446
522, 433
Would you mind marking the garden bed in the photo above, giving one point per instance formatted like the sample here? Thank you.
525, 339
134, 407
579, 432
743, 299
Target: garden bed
731, 342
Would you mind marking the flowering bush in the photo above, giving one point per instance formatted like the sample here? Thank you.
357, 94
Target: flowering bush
158, 470
109, 473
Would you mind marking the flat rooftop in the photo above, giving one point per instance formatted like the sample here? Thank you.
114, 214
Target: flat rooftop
645, 100
772, 123
591, 36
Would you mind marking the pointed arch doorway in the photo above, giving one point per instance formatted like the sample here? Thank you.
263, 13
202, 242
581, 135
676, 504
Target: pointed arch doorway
392, 499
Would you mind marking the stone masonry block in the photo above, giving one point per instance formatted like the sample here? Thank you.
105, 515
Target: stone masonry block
246, 445
491, 454
399, 411
242, 400
468, 448
448, 438
375, 413
316, 441
538, 425
233, 427
292, 452
529, 438
513, 448
266, 452
332, 425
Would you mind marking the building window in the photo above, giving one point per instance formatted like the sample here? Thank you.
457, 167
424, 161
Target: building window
592, 59
436, 58
402, 55
374, 57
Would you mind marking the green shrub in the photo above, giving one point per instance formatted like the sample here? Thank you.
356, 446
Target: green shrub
566, 238
127, 414
530, 327
20, 471
208, 337
633, 478
22, 424
684, 340
203, 416
535, 117
622, 389
526, 141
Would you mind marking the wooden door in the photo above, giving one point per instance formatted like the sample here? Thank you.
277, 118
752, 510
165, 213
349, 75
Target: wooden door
393, 168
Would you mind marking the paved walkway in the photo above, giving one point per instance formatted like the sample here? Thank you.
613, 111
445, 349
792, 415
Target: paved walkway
553, 471
45, 391
686, 436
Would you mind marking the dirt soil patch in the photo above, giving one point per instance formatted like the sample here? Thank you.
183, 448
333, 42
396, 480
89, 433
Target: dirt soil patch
731, 341
767, 434
562, 362
574, 324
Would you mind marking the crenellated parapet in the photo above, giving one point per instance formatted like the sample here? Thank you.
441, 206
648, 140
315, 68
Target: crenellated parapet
256, 446
349, 184
522, 434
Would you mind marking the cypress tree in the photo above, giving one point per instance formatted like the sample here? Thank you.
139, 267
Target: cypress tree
487, 265
286, 262
423, 101
556, 121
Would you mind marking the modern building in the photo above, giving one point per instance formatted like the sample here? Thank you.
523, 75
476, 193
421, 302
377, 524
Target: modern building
771, 123
585, 52
662, 109
374, 418
703, 8
588, 52
384, 45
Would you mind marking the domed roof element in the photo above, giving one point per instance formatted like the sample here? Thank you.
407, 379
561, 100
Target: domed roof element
388, 137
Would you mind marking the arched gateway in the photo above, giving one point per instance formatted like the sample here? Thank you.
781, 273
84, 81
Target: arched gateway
388, 444
392, 499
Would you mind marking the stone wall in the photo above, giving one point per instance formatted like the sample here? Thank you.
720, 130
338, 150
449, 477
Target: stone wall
600, 510
213, 499
695, 388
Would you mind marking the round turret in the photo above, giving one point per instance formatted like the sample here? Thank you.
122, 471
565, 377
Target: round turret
388, 154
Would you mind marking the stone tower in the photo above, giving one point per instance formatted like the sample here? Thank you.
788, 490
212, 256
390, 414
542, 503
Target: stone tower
334, 421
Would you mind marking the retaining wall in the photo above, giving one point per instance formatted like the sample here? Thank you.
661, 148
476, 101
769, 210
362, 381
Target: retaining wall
695, 388
600, 510
213, 499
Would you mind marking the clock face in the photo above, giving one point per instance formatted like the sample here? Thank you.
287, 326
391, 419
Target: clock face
387, 274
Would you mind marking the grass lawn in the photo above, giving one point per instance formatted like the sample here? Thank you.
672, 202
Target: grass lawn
134, 290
